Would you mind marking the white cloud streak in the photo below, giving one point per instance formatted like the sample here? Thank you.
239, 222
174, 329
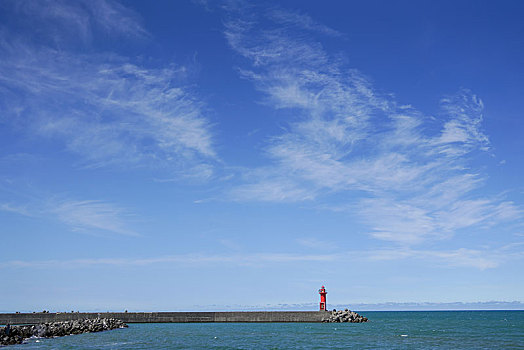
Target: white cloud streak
314, 243
458, 258
187, 259
105, 108
65, 21
405, 175
88, 216
300, 20
453, 258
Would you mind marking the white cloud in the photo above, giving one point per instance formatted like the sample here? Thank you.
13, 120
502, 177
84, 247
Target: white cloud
187, 259
86, 216
461, 133
7, 207
405, 175
314, 243
300, 20
105, 108
89, 214
273, 190
462, 257
63, 22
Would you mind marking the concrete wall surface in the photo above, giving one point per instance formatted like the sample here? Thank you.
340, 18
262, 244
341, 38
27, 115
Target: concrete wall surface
168, 317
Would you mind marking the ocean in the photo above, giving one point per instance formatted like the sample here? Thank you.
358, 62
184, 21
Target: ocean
385, 330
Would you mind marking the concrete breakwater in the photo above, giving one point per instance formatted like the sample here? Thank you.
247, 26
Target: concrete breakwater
11, 335
168, 317
188, 317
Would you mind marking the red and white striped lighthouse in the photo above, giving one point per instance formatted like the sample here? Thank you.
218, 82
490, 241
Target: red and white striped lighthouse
322, 292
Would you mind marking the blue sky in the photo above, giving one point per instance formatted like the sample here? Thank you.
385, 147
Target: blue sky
237, 155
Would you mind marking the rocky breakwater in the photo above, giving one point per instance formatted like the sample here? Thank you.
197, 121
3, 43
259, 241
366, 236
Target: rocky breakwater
345, 316
10, 335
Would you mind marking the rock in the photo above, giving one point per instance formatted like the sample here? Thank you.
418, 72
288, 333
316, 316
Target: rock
17, 334
345, 316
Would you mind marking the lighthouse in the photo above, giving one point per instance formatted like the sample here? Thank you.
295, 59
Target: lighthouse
322, 292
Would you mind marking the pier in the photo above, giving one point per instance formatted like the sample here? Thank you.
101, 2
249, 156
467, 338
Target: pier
168, 317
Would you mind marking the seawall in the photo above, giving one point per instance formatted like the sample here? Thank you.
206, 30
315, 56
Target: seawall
169, 317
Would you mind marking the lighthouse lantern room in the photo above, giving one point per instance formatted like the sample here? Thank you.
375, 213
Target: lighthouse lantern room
322, 292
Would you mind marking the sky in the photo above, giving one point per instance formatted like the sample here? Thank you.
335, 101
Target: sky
231, 155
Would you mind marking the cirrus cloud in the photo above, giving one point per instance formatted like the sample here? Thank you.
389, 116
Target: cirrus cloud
405, 175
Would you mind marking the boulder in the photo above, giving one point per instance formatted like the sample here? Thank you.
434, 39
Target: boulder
17, 334
345, 315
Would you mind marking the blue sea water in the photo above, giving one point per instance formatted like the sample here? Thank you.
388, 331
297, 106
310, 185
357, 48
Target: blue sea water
385, 330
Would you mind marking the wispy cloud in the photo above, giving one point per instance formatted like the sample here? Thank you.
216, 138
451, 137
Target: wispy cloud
62, 22
301, 21
106, 108
478, 258
458, 258
271, 189
186, 259
407, 176
314, 243
86, 216
453, 258
90, 214
20, 210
